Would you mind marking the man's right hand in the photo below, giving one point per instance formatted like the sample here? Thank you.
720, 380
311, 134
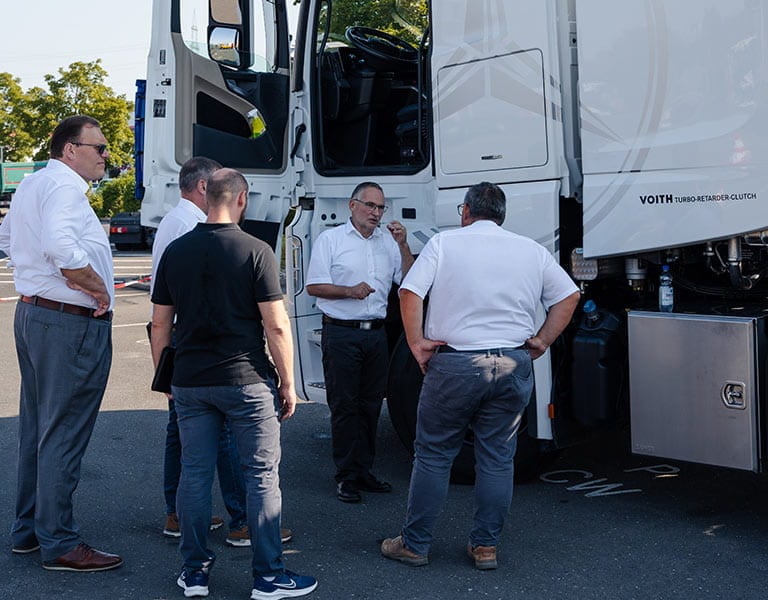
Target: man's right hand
360, 291
287, 401
423, 350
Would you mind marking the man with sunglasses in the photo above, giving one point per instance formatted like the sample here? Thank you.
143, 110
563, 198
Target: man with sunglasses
63, 273
351, 272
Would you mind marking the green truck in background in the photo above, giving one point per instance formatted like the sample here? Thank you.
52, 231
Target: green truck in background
11, 174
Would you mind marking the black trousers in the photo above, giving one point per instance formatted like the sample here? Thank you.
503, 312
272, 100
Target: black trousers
355, 368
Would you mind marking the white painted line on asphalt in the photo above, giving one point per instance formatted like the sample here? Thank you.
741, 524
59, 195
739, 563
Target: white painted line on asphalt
142, 324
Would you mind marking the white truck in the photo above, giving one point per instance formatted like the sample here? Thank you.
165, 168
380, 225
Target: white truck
626, 135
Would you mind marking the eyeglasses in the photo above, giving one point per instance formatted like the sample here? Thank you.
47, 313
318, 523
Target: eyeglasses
100, 148
372, 206
460, 208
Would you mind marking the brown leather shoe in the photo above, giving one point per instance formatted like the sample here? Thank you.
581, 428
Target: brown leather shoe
484, 556
84, 559
172, 528
241, 538
395, 549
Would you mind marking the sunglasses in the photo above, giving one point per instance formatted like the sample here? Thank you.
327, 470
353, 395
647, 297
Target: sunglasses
100, 148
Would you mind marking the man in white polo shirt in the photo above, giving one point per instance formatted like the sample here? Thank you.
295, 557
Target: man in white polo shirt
351, 272
485, 284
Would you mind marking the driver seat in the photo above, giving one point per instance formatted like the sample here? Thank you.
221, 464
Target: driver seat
411, 135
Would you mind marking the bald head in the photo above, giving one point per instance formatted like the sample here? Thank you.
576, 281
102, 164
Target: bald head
227, 196
224, 186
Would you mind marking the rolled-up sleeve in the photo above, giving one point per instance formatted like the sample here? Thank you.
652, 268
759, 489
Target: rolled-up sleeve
421, 275
62, 217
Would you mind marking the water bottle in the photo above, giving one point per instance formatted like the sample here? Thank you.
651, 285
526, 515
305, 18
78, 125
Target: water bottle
666, 293
259, 132
258, 126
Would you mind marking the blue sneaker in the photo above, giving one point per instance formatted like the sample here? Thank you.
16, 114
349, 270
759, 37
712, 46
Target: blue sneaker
194, 582
287, 585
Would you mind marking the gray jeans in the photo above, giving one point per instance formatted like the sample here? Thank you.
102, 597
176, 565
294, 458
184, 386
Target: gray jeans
64, 362
487, 391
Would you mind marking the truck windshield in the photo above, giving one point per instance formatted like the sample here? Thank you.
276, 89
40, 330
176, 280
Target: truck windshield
373, 99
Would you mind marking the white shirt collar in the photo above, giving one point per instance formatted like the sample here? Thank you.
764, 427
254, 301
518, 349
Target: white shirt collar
349, 228
56, 165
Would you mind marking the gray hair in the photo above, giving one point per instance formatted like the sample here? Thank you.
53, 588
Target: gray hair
195, 169
486, 201
360, 187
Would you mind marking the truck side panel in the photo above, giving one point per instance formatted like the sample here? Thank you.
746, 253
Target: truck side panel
674, 104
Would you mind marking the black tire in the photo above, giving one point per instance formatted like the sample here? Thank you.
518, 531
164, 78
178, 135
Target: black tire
403, 387
123, 247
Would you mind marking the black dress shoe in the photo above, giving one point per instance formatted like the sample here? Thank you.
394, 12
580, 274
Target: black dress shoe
347, 492
369, 483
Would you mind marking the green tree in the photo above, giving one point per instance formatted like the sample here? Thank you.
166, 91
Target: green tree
397, 17
117, 195
80, 89
16, 142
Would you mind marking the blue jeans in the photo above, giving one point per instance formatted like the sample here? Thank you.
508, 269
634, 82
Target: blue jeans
231, 480
487, 391
252, 412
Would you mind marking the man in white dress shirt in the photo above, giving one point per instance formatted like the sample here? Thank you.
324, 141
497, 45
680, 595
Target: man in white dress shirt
63, 330
351, 272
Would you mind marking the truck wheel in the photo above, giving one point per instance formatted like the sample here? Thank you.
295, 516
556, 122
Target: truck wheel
403, 388
123, 247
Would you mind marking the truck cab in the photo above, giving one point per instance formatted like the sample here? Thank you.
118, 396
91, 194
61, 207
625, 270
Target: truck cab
625, 138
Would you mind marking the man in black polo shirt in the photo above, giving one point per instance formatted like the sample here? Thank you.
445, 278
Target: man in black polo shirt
222, 285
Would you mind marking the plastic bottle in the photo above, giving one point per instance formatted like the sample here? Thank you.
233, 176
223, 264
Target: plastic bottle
592, 318
258, 126
666, 293
259, 132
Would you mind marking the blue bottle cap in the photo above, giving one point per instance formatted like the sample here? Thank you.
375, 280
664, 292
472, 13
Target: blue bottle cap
590, 306
665, 268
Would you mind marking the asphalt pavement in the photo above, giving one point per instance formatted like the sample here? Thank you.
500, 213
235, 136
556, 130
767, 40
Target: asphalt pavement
601, 523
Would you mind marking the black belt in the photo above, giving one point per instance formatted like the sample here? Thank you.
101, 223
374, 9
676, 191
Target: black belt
70, 309
372, 324
498, 351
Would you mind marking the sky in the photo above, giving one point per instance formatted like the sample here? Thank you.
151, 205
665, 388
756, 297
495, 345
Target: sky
43, 36
40, 37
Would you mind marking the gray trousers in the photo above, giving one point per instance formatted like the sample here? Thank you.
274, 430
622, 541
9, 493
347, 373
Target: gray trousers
64, 362
487, 391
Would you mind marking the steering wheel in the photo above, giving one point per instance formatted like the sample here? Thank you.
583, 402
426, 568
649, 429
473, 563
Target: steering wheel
383, 48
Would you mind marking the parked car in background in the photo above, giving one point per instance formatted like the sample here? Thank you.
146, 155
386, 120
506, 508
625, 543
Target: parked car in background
127, 233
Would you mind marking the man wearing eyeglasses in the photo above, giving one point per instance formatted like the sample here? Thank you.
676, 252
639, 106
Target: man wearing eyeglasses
485, 286
63, 273
351, 272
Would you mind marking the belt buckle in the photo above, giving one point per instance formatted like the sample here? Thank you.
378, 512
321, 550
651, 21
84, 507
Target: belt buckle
365, 324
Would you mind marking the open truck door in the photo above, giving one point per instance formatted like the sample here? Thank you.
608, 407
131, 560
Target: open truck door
218, 86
